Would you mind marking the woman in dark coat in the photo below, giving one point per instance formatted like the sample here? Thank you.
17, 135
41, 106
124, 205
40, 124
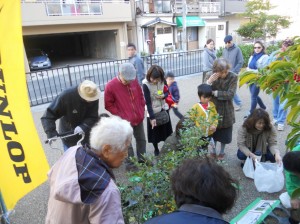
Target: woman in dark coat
224, 84
153, 87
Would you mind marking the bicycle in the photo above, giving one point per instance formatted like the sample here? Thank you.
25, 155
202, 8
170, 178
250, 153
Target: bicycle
64, 136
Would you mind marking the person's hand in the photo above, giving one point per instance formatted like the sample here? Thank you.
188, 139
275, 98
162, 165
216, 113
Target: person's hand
78, 130
213, 78
153, 123
253, 156
295, 203
213, 128
278, 158
159, 96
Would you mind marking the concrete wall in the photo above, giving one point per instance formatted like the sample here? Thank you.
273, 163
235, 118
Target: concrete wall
220, 34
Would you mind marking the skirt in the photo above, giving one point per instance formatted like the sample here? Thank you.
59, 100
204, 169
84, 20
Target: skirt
159, 133
223, 135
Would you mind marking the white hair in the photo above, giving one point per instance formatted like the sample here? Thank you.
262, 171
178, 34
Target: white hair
112, 131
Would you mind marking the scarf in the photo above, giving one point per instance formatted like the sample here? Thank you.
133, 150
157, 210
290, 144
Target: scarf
93, 175
258, 141
211, 53
255, 58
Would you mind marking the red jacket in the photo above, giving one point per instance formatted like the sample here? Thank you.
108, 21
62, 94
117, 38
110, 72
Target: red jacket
125, 101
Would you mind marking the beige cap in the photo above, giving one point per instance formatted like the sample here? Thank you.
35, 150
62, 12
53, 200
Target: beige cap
89, 91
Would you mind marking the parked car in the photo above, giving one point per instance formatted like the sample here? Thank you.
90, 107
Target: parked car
38, 59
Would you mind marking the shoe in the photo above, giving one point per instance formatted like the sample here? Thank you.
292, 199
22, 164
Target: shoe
280, 127
238, 107
213, 155
221, 156
274, 122
156, 152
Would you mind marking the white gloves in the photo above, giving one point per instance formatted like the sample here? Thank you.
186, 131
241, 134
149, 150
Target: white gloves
78, 130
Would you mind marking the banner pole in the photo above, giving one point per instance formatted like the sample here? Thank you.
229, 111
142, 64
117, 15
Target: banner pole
3, 212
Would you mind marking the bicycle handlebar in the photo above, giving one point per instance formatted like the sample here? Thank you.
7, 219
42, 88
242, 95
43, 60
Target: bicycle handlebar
65, 135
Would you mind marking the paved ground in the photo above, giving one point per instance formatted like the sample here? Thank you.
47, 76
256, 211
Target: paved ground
33, 207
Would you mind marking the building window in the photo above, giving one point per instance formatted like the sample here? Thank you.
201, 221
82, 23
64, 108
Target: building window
164, 30
160, 30
220, 27
167, 30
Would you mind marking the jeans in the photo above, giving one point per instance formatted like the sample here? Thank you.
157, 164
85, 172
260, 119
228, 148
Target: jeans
279, 114
65, 147
139, 135
177, 113
255, 99
268, 156
237, 100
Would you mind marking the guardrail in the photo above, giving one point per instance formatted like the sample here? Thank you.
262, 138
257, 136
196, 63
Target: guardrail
44, 85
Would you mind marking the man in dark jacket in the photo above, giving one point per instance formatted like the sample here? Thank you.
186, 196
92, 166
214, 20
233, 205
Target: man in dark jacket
123, 97
77, 109
234, 56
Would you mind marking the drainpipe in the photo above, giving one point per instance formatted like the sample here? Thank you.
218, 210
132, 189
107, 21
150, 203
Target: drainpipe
184, 42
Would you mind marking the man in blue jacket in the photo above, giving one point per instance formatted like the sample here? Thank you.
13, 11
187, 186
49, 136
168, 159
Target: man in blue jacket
137, 62
234, 56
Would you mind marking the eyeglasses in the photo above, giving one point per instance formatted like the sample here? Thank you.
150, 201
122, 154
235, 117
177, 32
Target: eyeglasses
257, 47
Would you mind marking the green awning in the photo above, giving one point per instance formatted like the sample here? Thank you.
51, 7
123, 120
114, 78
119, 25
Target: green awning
190, 21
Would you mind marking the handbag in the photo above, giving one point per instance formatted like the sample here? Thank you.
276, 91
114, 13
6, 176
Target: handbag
161, 118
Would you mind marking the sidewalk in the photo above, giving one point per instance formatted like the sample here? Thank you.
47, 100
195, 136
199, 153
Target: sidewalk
33, 207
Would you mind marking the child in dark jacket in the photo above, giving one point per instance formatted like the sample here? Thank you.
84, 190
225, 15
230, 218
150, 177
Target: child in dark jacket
173, 98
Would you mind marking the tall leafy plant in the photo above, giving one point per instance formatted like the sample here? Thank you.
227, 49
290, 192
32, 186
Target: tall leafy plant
148, 191
282, 78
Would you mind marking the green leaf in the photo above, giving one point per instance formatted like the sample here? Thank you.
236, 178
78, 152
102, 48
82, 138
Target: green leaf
296, 194
293, 114
247, 77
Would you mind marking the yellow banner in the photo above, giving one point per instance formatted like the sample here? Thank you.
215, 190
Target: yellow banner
23, 165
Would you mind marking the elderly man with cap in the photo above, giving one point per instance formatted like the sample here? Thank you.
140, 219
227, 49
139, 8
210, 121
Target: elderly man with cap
279, 113
234, 56
77, 109
123, 97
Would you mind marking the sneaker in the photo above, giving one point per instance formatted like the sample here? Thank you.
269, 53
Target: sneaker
238, 107
213, 155
221, 156
274, 122
280, 127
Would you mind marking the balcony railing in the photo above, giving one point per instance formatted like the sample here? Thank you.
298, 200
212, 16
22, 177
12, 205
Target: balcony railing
72, 7
154, 6
206, 8
82, 8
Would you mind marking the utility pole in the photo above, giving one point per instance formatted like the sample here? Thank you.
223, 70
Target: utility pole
183, 36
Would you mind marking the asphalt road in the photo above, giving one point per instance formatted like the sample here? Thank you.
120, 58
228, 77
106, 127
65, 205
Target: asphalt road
33, 207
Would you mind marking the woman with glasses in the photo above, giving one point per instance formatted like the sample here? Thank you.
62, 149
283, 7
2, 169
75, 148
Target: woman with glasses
153, 87
259, 59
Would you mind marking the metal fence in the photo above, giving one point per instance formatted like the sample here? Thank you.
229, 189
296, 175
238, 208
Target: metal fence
44, 85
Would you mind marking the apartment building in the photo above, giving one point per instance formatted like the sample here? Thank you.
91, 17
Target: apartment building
101, 29
76, 28
157, 26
